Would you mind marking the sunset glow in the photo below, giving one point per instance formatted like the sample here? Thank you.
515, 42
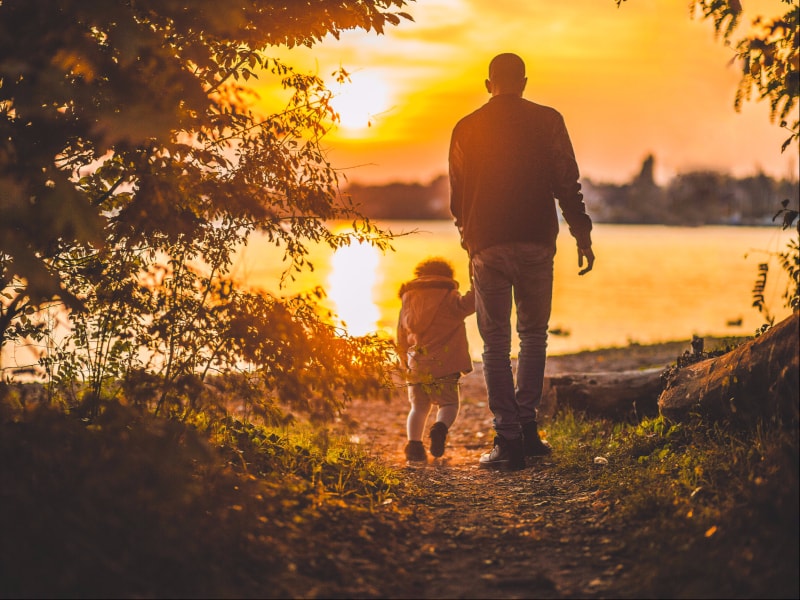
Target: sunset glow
353, 277
643, 78
359, 102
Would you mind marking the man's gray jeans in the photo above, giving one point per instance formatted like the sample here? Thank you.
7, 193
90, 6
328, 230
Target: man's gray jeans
522, 272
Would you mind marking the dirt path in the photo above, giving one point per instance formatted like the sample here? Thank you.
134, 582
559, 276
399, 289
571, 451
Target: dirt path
487, 534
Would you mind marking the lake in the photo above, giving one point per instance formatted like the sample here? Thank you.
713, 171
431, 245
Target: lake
649, 284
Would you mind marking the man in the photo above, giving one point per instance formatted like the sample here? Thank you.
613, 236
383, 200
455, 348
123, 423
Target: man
509, 161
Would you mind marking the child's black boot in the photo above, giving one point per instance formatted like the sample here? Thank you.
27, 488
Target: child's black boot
438, 436
415, 452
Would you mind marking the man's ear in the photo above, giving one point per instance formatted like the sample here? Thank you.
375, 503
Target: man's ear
524, 83
488, 83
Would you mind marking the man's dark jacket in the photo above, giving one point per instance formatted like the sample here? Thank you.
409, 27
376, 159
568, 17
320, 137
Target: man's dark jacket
509, 161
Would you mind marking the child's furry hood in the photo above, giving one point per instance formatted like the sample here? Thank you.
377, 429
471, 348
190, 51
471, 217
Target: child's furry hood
428, 282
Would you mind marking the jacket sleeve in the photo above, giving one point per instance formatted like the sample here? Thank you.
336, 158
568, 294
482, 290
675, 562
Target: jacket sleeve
456, 169
466, 303
566, 186
402, 342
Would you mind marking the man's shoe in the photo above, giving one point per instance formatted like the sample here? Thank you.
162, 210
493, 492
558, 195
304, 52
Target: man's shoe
533, 445
438, 436
415, 452
507, 455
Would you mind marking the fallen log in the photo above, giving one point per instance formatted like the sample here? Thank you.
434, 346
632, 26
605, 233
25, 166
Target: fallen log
759, 378
620, 395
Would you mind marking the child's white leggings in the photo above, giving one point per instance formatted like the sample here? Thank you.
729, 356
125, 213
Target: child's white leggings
422, 396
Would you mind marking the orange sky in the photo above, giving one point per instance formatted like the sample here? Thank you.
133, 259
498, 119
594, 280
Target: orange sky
643, 78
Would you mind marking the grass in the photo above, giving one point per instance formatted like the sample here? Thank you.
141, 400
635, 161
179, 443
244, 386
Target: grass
133, 506
709, 511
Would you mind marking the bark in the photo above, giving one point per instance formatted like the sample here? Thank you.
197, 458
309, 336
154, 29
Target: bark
760, 378
614, 394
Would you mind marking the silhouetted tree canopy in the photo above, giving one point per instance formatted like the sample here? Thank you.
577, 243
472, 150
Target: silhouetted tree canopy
130, 116
132, 165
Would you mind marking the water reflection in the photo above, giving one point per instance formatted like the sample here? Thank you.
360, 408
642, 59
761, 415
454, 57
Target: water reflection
353, 277
651, 283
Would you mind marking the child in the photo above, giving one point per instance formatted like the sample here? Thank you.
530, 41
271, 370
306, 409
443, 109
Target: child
432, 343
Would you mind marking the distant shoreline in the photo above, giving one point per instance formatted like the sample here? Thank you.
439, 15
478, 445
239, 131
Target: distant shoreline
633, 356
760, 223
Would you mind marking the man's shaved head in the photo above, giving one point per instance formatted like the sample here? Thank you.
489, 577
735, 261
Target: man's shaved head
507, 70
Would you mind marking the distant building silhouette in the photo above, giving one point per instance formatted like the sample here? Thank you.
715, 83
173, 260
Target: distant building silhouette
691, 198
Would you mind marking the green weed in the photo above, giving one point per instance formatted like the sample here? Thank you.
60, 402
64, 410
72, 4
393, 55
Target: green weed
720, 498
131, 505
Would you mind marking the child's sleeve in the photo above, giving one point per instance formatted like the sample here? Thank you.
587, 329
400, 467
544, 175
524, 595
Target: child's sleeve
402, 342
467, 303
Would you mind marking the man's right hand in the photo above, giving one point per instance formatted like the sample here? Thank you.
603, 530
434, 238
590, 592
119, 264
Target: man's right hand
585, 253
461, 238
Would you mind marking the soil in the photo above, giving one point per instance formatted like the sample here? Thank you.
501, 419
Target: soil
450, 530
488, 534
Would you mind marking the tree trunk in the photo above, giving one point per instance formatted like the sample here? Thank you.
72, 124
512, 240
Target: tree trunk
759, 378
626, 395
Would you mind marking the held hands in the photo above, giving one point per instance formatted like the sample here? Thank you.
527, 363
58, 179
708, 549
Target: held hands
589, 256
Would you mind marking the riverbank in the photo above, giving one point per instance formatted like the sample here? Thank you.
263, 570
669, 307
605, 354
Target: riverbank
383, 428
134, 506
618, 511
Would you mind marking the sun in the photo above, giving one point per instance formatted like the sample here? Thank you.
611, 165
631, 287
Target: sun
359, 101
